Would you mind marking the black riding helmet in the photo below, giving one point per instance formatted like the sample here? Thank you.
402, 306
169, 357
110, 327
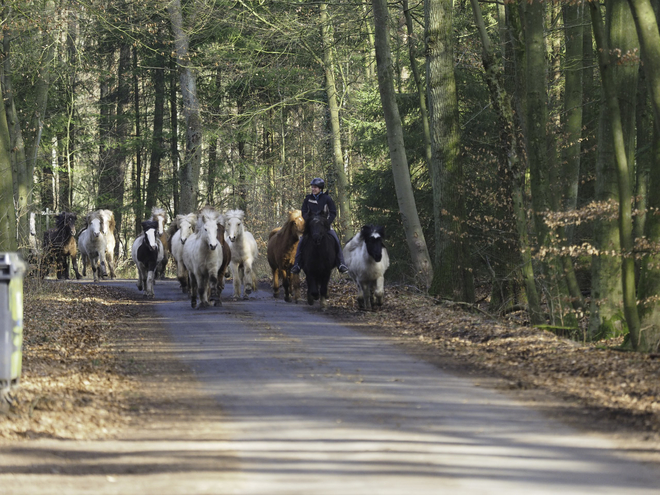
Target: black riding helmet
318, 182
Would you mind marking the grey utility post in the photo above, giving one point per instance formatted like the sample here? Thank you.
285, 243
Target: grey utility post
12, 269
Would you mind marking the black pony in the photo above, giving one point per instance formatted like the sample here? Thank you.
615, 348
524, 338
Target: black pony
60, 246
319, 254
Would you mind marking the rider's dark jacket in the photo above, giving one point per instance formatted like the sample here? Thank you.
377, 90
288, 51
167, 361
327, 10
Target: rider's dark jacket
312, 205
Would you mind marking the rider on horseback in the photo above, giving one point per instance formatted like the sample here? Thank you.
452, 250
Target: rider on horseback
314, 203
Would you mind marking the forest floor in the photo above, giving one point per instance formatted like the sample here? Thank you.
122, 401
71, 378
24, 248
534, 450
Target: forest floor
80, 380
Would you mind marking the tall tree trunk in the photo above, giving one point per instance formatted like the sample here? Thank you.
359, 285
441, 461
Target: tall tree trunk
404, 191
174, 138
333, 108
111, 184
508, 137
623, 176
21, 187
7, 209
157, 144
137, 164
648, 339
421, 93
572, 125
189, 174
452, 274
607, 286
536, 114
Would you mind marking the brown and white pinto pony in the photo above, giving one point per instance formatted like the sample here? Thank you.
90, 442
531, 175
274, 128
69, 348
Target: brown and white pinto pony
59, 247
282, 244
147, 252
367, 261
160, 216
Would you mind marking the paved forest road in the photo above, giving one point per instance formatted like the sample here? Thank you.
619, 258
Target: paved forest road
309, 406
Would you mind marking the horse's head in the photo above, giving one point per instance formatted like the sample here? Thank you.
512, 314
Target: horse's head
159, 215
95, 226
373, 238
207, 227
234, 224
186, 223
318, 226
298, 221
67, 220
150, 227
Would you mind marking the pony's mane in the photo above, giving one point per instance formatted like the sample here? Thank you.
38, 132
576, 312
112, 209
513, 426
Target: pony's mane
294, 215
207, 213
240, 214
158, 212
109, 219
94, 215
149, 224
64, 218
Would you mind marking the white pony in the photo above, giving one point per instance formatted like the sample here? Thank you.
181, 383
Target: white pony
202, 256
367, 261
147, 252
108, 230
92, 246
184, 225
244, 252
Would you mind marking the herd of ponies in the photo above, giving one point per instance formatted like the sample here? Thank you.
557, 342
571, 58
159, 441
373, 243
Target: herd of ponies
208, 246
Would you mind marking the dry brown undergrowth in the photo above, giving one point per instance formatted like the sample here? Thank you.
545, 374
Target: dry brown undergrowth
76, 385
72, 385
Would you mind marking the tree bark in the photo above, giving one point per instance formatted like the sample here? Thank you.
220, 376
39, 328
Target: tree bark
502, 104
333, 107
7, 209
648, 339
419, 84
452, 273
401, 174
189, 173
623, 175
608, 297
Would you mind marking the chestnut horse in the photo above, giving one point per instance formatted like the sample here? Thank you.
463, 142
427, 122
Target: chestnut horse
282, 244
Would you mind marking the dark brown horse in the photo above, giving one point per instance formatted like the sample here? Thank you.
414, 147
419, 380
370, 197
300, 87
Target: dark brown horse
60, 246
282, 244
226, 258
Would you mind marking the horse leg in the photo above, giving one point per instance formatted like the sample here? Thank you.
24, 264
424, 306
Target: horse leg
360, 295
276, 283
324, 293
286, 283
295, 286
312, 290
203, 291
139, 279
84, 263
94, 270
151, 274
192, 287
236, 279
249, 279
367, 295
74, 264
111, 263
213, 283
